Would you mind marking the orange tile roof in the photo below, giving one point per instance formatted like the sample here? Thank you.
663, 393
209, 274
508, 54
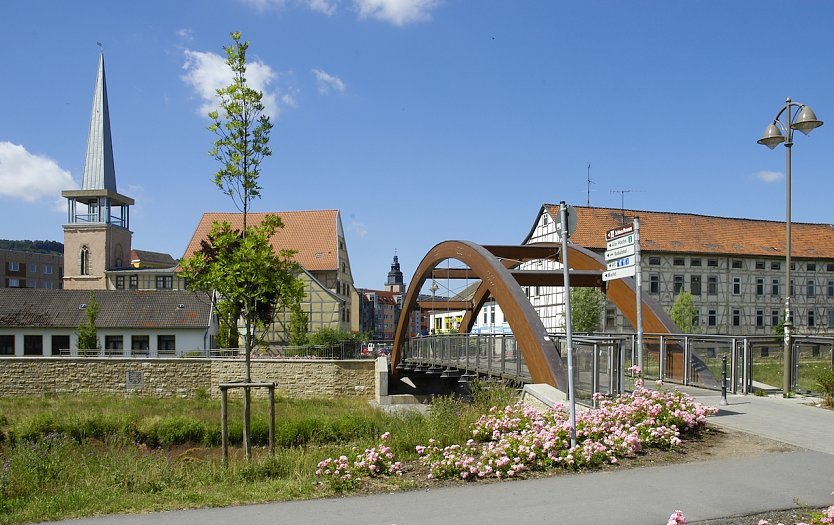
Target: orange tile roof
689, 233
313, 234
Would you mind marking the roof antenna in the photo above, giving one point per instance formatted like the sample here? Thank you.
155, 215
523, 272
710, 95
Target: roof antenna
622, 202
589, 185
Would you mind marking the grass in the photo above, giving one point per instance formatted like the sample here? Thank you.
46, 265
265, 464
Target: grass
72, 456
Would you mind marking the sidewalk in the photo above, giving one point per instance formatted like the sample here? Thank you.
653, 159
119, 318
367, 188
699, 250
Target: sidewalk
705, 490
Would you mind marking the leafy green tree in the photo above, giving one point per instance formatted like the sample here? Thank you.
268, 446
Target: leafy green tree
240, 265
87, 333
586, 305
299, 326
683, 313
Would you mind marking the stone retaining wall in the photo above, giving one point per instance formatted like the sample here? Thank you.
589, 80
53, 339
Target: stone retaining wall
33, 376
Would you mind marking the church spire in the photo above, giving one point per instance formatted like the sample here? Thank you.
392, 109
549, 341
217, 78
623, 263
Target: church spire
99, 170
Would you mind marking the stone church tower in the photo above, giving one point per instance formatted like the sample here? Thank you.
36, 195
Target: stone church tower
97, 236
395, 278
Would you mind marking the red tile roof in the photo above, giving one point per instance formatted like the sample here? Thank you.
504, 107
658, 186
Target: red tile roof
689, 233
313, 234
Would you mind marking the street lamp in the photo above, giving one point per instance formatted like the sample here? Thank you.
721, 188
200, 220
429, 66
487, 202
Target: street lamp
793, 116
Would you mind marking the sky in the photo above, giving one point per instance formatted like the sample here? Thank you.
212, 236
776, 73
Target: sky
421, 120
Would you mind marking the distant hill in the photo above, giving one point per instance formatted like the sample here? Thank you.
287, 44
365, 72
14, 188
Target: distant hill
33, 246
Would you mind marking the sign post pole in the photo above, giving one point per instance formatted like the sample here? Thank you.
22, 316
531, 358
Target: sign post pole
639, 292
568, 329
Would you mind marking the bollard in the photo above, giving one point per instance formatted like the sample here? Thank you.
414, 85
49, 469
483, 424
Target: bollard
724, 379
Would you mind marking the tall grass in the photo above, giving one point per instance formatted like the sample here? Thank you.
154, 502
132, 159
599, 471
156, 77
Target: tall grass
72, 456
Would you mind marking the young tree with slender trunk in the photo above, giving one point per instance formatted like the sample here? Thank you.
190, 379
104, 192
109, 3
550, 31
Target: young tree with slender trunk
240, 265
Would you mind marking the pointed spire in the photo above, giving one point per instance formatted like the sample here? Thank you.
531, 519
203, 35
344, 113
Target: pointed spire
99, 171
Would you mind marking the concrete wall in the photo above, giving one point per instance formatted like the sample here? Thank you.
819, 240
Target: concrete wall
33, 376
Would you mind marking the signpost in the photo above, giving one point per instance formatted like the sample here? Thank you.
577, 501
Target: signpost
565, 213
622, 259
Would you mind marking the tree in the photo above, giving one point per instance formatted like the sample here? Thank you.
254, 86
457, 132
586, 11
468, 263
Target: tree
240, 265
683, 313
299, 326
586, 306
87, 333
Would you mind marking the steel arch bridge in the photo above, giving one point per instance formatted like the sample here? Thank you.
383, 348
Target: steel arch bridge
497, 269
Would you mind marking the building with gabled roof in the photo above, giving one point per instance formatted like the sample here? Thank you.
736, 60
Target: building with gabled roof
134, 323
318, 239
733, 267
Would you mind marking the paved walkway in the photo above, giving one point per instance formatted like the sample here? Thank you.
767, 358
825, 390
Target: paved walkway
704, 490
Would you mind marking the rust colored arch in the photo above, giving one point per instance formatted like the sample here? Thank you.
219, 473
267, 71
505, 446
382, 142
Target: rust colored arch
543, 361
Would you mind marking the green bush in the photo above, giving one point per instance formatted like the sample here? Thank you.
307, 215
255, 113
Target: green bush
825, 379
179, 430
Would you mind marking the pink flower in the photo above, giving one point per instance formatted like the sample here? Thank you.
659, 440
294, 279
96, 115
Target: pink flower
677, 518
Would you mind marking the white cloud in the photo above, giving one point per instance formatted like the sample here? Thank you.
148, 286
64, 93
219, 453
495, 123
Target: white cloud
397, 12
358, 228
208, 72
327, 82
769, 177
30, 177
185, 34
327, 7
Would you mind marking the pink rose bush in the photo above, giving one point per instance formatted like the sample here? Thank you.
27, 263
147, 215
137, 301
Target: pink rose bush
520, 438
820, 518
340, 473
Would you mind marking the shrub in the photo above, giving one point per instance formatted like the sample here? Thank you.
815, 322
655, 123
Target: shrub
825, 379
178, 430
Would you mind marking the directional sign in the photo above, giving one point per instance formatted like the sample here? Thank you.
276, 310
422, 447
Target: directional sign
619, 273
570, 212
619, 232
620, 242
616, 253
621, 263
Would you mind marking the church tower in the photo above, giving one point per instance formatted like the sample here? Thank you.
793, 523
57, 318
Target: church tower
97, 236
395, 278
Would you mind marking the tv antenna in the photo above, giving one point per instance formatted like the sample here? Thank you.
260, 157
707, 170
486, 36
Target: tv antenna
622, 201
589, 185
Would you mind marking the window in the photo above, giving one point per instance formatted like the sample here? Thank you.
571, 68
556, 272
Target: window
711, 316
32, 345
654, 283
133, 282
736, 317
736, 285
164, 282
774, 287
140, 344
47, 269
830, 288
120, 282
830, 323
812, 288
654, 261
47, 284
60, 344
713, 263
14, 267
33, 268
759, 286
678, 284
792, 290
14, 283
811, 267
695, 285
760, 265
774, 317
829, 267
775, 265
759, 317
679, 261
166, 344
695, 262
812, 318
793, 266
737, 263
84, 258
610, 318
712, 285
486, 316
7, 343
696, 318
113, 344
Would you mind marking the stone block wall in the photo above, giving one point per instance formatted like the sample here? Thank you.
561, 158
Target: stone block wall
33, 376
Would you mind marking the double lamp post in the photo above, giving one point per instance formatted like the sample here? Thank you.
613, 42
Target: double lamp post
793, 116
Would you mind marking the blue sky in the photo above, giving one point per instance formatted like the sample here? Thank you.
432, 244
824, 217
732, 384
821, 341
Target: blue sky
422, 120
